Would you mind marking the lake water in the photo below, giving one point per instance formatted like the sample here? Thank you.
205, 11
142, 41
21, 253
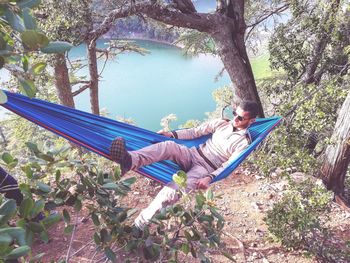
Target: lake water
147, 88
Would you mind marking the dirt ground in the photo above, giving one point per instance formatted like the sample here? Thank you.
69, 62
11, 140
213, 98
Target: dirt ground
246, 198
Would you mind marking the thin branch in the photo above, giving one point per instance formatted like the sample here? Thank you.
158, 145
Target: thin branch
80, 90
80, 249
265, 17
72, 237
80, 82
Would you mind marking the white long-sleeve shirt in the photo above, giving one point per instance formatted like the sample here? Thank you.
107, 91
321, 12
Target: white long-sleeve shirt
225, 144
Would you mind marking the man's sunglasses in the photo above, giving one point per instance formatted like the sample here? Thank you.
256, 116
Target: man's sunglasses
240, 118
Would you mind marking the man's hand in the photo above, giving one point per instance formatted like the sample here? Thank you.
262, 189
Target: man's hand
203, 183
165, 133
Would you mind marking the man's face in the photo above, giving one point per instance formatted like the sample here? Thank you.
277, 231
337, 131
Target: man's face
241, 119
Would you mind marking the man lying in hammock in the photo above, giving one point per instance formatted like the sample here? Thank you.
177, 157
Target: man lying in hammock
202, 164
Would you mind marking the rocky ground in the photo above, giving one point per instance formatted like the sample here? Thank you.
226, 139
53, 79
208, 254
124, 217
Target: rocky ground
246, 198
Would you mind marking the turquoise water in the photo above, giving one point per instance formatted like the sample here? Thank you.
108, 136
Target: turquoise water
148, 88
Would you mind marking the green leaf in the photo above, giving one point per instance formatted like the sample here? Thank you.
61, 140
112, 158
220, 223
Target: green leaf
3, 43
58, 176
32, 147
110, 254
36, 227
228, 256
77, 205
34, 40
7, 158
110, 186
5, 239
216, 214
57, 47
14, 20
7, 210
97, 239
44, 236
28, 171
200, 199
17, 233
3, 96
25, 63
180, 178
28, 19
185, 248
95, 219
26, 207
28, 3
38, 207
19, 252
209, 194
46, 157
128, 182
43, 187
51, 219
27, 87
66, 216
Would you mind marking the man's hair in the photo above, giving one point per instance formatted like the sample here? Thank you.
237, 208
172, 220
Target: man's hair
250, 106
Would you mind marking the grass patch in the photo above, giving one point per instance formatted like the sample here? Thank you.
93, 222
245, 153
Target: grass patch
261, 67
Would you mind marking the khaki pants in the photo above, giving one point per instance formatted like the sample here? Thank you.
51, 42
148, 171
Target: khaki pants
187, 158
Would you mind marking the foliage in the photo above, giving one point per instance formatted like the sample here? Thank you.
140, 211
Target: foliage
165, 121
310, 52
19, 39
296, 222
183, 228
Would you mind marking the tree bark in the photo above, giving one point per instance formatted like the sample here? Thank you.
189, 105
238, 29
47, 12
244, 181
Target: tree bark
64, 89
94, 101
337, 155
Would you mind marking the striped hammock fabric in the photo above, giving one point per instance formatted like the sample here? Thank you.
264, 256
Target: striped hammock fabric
96, 133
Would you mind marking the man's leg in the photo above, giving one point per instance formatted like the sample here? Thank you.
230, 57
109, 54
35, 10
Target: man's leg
167, 150
169, 195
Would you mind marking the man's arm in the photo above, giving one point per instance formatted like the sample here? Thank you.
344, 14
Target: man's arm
203, 129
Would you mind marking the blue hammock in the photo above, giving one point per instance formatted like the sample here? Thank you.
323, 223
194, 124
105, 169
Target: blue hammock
96, 133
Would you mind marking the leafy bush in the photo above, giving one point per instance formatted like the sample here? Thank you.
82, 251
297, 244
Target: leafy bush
183, 228
298, 221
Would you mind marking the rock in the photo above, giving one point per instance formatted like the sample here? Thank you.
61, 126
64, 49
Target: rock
257, 230
264, 260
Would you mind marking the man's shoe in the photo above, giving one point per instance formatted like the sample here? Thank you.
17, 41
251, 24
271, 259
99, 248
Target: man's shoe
119, 154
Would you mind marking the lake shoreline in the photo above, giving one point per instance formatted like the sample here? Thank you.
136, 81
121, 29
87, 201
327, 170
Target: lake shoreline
146, 39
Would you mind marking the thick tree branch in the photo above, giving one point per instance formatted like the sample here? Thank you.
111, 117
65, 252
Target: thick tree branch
198, 21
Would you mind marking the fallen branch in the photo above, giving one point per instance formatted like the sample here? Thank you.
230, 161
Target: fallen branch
72, 237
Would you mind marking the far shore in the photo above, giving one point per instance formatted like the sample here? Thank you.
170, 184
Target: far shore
146, 39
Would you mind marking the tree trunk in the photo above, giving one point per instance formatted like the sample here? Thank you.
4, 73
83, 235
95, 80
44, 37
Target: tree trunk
95, 109
337, 155
233, 54
63, 86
